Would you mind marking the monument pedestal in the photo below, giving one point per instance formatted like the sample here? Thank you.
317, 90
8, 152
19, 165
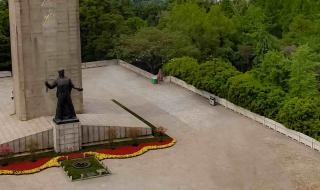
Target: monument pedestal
67, 137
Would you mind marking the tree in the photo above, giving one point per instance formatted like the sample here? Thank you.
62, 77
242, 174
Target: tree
102, 23
303, 30
253, 19
150, 10
186, 18
301, 114
218, 35
210, 30
154, 47
123, 7
135, 24
303, 81
239, 7
227, 7
274, 70
5, 53
255, 34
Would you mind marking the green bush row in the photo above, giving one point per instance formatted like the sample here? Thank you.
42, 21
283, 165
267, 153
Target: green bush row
222, 79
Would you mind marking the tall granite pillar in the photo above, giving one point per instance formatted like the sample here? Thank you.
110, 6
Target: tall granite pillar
45, 37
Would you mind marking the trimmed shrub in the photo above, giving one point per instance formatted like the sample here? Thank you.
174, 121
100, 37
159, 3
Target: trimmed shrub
213, 76
301, 114
184, 68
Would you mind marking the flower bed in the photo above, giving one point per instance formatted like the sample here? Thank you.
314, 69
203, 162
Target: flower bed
29, 167
86, 171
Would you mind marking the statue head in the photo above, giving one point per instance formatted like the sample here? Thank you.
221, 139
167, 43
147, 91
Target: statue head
61, 73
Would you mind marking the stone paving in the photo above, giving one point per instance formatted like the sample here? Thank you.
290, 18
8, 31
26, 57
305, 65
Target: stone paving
11, 128
216, 148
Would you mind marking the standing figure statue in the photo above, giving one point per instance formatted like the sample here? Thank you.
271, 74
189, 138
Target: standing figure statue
65, 112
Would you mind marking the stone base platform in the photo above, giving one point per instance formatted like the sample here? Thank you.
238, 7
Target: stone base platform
67, 137
92, 128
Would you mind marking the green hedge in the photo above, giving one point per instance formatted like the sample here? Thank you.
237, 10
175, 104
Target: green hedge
185, 68
301, 114
221, 78
213, 76
249, 93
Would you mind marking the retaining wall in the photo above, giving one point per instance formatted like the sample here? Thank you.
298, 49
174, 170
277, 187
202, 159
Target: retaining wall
90, 134
5, 74
96, 134
44, 140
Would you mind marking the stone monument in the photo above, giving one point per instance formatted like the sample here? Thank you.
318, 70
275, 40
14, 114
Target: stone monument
67, 129
45, 38
65, 112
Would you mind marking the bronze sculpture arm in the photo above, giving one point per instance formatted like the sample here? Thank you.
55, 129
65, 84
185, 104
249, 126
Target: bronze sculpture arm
50, 86
79, 89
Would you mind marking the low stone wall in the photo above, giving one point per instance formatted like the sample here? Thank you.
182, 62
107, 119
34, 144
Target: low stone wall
135, 69
5, 74
300, 137
96, 134
89, 135
88, 65
44, 140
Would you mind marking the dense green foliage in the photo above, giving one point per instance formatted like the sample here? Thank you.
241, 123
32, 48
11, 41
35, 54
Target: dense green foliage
302, 114
154, 47
262, 55
104, 23
4, 36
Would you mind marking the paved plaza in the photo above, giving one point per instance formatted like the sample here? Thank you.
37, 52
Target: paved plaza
216, 148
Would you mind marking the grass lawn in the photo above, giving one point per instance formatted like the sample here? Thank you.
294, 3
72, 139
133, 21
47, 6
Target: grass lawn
76, 173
